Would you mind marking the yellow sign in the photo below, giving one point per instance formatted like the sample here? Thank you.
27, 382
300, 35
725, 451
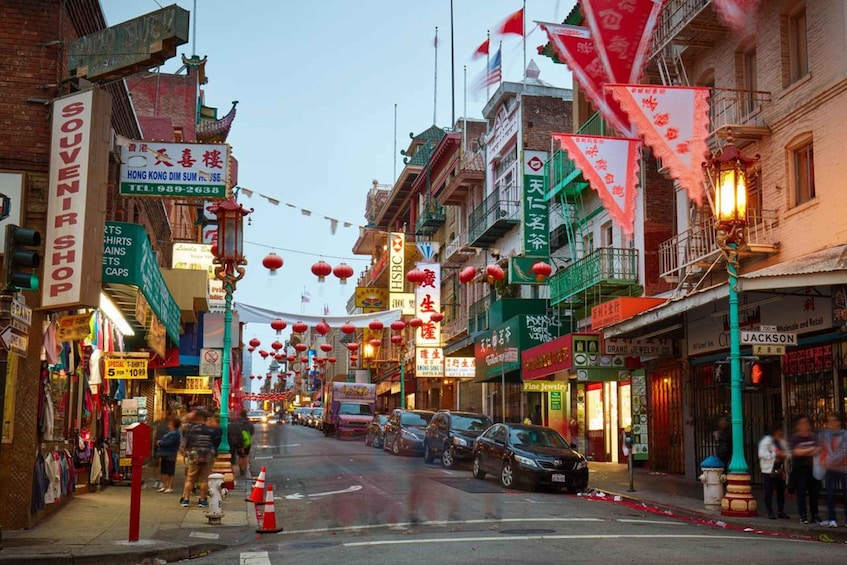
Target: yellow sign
125, 368
768, 350
544, 386
190, 385
404, 301
371, 297
396, 262
73, 328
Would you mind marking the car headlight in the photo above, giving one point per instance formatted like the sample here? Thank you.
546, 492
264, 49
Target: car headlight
460, 442
526, 461
582, 465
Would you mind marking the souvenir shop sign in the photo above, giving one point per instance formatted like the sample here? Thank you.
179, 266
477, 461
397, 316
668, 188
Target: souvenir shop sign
74, 327
536, 216
174, 170
498, 349
459, 367
128, 258
429, 362
133, 368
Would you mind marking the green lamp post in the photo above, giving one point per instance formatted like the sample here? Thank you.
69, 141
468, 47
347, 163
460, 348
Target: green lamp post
729, 177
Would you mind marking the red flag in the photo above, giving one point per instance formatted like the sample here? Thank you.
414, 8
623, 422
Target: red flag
512, 24
622, 31
610, 165
738, 15
575, 47
674, 122
482, 49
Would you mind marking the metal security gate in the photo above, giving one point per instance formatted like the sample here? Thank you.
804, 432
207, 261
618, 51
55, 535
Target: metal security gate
666, 445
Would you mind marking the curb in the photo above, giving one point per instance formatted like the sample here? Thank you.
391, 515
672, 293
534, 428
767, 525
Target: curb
169, 554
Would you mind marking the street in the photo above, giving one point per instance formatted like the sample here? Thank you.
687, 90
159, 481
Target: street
340, 500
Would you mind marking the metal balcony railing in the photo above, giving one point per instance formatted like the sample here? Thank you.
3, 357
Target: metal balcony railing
455, 327
478, 314
738, 112
492, 211
682, 253
595, 125
609, 265
431, 218
675, 16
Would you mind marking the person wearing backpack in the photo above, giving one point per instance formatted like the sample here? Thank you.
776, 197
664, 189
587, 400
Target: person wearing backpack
200, 445
247, 429
833, 454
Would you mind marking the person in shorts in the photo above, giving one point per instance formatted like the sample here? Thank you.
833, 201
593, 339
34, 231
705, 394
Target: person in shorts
200, 452
247, 430
167, 447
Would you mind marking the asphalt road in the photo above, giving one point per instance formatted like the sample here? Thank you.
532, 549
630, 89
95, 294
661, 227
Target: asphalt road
343, 503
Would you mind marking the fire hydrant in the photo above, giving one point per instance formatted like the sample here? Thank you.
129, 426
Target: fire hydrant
217, 492
713, 479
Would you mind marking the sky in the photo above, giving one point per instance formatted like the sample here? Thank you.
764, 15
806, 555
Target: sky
317, 82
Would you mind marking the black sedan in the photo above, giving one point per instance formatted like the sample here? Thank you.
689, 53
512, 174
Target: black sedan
536, 455
375, 435
404, 431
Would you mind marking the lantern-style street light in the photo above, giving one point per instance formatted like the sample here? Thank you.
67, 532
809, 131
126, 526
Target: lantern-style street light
728, 172
229, 264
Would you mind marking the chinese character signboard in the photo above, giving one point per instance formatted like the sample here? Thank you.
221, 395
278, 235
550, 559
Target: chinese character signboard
839, 306
620, 309
403, 301
459, 367
499, 349
429, 362
371, 297
174, 170
396, 262
536, 215
427, 303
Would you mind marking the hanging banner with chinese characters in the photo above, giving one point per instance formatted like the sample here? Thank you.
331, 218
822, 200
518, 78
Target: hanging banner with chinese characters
674, 122
622, 31
427, 303
429, 362
575, 48
610, 165
738, 15
174, 170
536, 216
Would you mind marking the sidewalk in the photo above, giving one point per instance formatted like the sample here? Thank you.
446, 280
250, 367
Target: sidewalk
673, 494
94, 528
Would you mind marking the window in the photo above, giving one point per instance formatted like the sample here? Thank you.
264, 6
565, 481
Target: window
588, 244
798, 55
607, 235
751, 83
178, 135
802, 165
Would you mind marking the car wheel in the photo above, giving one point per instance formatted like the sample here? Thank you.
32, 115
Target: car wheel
447, 458
395, 446
477, 470
427, 454
507, 475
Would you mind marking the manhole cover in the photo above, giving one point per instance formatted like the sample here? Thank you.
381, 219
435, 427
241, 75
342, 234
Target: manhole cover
310, 544
527, 532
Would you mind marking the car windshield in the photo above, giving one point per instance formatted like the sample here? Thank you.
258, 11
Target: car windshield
415, 419
471, 423
540, 437
351, 409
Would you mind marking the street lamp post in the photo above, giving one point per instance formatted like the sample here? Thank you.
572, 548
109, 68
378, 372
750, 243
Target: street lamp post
729, 177
229, 264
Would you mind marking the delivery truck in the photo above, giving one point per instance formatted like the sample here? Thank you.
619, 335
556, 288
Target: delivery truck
349, 408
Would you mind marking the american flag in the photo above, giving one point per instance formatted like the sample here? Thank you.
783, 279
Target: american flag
493, 74
305, 297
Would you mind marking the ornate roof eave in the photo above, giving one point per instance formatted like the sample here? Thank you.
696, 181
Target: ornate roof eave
217, 130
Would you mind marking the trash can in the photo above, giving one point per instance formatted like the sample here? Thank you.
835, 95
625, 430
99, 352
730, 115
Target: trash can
713, 478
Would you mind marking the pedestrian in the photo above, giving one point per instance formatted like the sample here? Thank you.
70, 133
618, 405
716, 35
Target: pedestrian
247, 430
537, 419
723, 441
236, 442
773, 459
833, 454
167, 447
804, 448
159, 430
200, 451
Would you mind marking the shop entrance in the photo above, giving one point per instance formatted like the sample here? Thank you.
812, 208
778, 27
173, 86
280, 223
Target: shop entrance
666, 448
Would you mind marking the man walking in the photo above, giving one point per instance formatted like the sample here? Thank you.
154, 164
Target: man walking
246, 430
200, 450
833, 441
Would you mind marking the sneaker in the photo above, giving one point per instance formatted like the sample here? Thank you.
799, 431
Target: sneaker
162, 489
804, 520
816, 519
183, 502
829, 524
203, 504
168, 490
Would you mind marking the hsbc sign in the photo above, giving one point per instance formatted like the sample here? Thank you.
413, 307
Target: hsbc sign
396, 263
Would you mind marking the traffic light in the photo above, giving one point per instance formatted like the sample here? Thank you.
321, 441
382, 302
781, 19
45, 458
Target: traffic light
17, 259
759, 373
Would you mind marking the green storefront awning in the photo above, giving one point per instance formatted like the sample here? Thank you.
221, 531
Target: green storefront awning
498, 350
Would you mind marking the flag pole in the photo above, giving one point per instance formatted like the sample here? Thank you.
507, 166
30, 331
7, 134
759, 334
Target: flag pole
394, 178
500, 50
435, 79
452, 72
488, 64
465, 113
523, 22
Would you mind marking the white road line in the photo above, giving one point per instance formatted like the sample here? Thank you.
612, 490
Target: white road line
254, 558
395, 525
641, 521
263, 457
448, 472
555, 537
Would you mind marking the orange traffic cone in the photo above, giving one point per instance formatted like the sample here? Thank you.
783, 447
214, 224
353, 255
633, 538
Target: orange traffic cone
269, 520
258, 493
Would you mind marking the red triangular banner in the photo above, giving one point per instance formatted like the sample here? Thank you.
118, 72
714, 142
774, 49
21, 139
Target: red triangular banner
622, 30
674, 122
738, 15
575, 47
610, 165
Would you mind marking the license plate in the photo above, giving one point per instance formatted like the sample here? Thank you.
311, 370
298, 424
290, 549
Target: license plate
558, 478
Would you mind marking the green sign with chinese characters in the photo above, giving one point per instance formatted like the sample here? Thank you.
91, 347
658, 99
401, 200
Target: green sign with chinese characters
536, 213
556, 400
128, 258
498, 350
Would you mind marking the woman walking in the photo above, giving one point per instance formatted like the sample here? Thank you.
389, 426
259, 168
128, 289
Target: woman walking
166, 448
773, 454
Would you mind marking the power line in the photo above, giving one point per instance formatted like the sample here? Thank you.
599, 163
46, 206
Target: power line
277, 248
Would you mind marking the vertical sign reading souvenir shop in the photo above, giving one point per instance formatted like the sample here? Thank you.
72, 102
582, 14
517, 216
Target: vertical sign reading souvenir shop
76, 212
536, 219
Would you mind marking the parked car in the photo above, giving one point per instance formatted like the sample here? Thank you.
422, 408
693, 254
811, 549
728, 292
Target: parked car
305, 415
318, 419
536, 455
404, 431
274, 418
450, 436
257, 416
295, 415
375, 435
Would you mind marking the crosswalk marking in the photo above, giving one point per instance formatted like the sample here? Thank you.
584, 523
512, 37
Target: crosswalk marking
255, 558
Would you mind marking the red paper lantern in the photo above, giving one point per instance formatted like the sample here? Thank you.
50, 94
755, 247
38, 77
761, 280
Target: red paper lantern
276, 345
251, 349
375, 342
322, 327
260, 377
263, 353
326, 348
467, 275
320, 360
252, 377
495, 272
331, 360
347, 328
279, 357
301, 347
278, 325
436, 317
272, 262
292, 358
376, 326
304, 359
354, 359
255, 342
299, 327
416, 276
353, 346
416, 322
542, 270
343, 271
398, 325
321, 269
397, 339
